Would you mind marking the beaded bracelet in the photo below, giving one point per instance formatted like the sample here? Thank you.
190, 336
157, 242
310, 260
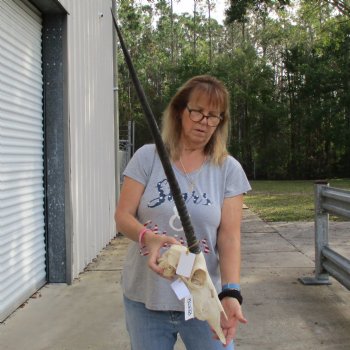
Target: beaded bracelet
232, 293
143, 249
141, 234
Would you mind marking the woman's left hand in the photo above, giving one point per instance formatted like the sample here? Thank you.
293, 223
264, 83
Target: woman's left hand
234, 315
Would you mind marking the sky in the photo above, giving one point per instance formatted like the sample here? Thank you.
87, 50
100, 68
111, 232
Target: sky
187, 6
183, 6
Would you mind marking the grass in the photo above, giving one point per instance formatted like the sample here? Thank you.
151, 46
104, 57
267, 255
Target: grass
286, 200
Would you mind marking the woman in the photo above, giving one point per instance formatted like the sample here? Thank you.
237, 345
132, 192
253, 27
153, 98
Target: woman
195, 132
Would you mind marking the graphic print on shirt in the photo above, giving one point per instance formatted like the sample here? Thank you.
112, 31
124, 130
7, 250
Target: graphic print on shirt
175, 219
164, 195
203, 245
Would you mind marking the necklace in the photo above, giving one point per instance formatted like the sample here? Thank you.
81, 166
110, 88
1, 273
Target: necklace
191, 183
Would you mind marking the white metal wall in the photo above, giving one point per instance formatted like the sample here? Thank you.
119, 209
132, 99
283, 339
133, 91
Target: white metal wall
90, 71
22, 246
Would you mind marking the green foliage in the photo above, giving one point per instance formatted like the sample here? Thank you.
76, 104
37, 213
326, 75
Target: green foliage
237, 11
287, 73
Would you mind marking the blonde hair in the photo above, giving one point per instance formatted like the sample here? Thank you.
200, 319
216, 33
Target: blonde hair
218, 96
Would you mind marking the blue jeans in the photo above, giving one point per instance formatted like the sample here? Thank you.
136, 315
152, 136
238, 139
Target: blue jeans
157, 330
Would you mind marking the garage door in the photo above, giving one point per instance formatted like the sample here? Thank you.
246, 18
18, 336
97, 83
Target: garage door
22, 234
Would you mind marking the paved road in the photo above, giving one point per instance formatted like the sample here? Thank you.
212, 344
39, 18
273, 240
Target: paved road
282, 313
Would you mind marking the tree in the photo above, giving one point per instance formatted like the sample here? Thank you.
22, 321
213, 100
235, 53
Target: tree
287, 74
237, 10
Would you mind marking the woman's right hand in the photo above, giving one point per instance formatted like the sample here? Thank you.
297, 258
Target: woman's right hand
154, 243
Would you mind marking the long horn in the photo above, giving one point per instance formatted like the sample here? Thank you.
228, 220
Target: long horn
192, 241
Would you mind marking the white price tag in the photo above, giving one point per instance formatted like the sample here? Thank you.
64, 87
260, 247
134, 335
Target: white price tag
180, 289
186, 261
189, 310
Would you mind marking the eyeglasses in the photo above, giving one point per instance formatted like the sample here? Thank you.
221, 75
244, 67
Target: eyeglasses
197, 116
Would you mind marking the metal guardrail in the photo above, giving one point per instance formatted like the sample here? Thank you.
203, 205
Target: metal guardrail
329, 200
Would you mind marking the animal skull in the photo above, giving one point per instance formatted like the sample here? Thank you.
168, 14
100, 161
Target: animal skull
207, 306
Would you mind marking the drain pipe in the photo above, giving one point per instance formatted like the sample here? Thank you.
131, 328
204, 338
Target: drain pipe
116, 109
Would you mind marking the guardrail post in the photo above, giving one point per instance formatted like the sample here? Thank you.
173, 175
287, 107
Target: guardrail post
321, 238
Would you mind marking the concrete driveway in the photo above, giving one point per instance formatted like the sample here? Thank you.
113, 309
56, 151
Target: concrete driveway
283, 314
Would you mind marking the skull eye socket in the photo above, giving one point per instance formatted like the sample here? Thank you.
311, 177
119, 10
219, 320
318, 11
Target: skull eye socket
199, 277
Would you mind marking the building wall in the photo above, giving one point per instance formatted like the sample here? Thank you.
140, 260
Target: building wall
22, 221
57, 126
91, 128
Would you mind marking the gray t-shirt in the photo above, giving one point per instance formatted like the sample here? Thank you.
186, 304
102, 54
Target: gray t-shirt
157, 208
